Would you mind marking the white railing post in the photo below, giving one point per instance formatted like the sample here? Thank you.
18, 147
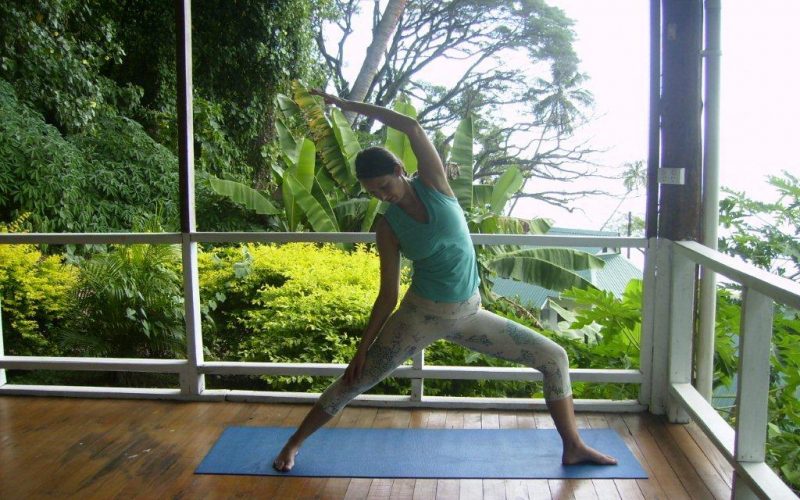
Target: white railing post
418, 384
659, 369
192, 381
681, 322
2, 352
648, 321
755, 338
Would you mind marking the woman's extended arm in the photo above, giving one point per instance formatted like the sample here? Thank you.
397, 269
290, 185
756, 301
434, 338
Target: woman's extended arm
389, 252
429, 164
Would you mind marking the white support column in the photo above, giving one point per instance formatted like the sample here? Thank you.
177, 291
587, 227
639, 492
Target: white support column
2, 352
753, 384
418, 384
648, 321
681, 323
192, 382
659, 374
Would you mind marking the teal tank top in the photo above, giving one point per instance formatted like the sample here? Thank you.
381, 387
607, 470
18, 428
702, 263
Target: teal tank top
444, 265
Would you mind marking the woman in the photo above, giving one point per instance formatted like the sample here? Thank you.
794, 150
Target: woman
425, 222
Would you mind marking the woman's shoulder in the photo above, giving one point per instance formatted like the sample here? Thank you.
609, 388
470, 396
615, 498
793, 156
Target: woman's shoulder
432, 189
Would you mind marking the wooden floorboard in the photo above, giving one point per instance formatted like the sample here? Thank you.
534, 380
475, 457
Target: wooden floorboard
89, 448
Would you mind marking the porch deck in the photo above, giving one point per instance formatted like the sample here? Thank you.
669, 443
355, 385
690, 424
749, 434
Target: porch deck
94, 448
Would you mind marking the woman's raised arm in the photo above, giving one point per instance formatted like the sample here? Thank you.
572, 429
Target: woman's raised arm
430, 166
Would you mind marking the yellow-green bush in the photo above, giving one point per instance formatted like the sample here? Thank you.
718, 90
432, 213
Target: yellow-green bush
296, 302
34, 291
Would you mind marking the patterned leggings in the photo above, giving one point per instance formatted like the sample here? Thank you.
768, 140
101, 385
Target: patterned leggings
418, 322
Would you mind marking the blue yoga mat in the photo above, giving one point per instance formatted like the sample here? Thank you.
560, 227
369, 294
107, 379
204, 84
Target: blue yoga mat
417, 453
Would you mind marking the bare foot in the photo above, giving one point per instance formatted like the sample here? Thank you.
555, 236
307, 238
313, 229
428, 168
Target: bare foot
285, 459
582, 454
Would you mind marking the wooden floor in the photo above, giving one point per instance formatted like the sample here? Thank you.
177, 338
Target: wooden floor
53, 447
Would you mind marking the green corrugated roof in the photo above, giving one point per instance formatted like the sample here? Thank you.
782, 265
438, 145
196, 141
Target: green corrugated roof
613, 277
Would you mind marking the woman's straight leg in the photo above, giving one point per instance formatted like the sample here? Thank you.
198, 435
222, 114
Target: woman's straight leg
500, 337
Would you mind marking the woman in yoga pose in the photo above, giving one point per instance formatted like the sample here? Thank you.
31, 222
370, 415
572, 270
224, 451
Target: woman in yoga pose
424, 221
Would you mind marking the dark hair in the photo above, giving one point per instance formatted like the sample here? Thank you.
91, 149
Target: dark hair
375, 162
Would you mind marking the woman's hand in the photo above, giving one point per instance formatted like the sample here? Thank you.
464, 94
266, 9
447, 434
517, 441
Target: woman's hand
354, 369
329, 98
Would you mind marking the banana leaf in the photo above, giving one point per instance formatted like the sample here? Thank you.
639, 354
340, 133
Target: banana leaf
290, 147
398, 142
243, 195
290, 207
304, 171
324, 136
508, 184
375, 207
317, 217
348, 142
481, 195
319, 194
552, 268
289, 108
461, 155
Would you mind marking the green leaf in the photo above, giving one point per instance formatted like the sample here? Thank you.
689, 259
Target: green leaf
319, 194
305, 165
348, 142
333, 157
552, 268
288, 107
372, 211
317, 217
243, 195
397, 142
461, 155
508, 184
481, 195
289, 145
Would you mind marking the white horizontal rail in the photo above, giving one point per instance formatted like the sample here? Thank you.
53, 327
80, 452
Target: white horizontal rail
380, 400
759, 476
780, 289
70, 391
715, 427
90, 238
427, 371
93, 364
284, 237
307, 369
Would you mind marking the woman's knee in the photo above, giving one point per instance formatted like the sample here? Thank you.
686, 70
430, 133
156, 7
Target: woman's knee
560, 356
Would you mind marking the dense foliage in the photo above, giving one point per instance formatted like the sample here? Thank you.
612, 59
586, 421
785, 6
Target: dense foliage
88, 106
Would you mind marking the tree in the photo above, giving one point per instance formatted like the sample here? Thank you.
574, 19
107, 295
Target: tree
380, 39
767, 234
476, 39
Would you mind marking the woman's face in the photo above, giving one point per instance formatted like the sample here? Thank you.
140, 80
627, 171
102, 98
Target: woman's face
388, 188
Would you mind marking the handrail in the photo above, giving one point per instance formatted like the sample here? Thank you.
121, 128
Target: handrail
781, 289
189, 370
287, 237
743, 445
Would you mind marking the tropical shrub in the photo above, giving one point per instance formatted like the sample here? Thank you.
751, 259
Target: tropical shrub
128, 303
34, 297
40, 171
296, 302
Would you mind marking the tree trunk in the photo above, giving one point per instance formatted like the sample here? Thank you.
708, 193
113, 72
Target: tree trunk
681, 98
380, 39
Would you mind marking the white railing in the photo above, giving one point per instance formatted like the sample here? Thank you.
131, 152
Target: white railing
742, 445
193, 369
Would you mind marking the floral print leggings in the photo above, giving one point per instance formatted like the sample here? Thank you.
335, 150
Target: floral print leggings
418, 322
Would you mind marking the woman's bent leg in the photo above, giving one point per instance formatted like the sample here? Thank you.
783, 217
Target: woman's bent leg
398, 341
491, 334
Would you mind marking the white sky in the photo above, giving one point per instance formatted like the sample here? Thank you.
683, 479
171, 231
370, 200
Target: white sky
759, 99
759, 108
